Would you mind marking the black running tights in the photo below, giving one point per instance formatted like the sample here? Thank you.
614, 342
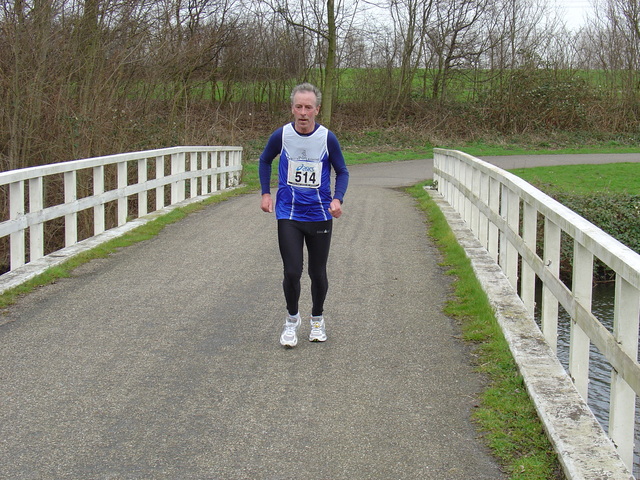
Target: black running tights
292, 235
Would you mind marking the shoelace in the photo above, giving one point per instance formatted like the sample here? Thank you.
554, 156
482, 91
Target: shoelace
290, 328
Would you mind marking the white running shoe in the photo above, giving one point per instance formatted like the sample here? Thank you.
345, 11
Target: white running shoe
289, 336
318, 332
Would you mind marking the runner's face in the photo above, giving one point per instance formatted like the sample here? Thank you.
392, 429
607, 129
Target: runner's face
304, 111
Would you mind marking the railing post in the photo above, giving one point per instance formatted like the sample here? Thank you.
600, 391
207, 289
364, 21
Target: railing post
623, 399
494, 205
510, 211
437, 166
223, 163
177, 187
476, 189
237, 161
123, 201
467, 181
579, 344
16, 210
551, 257
215, 177
483, 227
204, 178
143, 208
159, 190
98, 210
452, 169
449, 166
528, 277
71, 219
193, 182
513, 219
457, 199
36, 231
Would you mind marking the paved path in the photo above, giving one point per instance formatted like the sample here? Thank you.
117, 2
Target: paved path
163, 362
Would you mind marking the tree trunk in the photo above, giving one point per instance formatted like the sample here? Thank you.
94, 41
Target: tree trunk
330, 69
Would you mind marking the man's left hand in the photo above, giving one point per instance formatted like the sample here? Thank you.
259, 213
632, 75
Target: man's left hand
335, 208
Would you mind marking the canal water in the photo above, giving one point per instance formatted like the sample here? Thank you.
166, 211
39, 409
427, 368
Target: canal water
599, 368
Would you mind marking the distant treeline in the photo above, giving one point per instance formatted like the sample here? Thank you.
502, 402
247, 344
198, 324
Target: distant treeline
81, 78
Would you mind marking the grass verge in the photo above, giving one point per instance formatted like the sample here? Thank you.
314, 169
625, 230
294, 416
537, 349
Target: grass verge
505, 415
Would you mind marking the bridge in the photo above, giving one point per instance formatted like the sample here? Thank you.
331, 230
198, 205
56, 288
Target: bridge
162, 361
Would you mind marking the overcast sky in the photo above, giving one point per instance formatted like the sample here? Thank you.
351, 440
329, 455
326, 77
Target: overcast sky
574, 11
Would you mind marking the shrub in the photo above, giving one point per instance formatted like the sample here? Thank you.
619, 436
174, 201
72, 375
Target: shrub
618, 214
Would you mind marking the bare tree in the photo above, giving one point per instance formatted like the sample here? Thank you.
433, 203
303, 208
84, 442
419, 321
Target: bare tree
411, 21
322, 20
611, 44
454, 39
25, 73
624, 23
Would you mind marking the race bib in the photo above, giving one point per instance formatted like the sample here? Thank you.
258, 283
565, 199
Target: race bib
306, 174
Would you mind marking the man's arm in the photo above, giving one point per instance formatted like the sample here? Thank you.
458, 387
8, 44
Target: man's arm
271, 151
339, 166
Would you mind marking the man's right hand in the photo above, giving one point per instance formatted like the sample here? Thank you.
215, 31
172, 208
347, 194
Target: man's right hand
266, 204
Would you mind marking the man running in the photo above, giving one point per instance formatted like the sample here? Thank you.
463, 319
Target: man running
305, 207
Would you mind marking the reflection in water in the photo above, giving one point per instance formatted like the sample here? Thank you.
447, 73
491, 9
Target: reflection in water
599, 369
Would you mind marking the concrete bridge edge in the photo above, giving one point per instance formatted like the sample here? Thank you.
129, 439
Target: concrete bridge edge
584, 450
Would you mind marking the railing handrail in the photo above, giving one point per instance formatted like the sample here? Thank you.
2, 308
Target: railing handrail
502, 211
198, 170
74, 165
618, 256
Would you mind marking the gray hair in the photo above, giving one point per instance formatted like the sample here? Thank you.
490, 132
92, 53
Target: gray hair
307, 87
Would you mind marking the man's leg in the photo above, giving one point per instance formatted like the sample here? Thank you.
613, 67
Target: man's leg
291, 241
318, 241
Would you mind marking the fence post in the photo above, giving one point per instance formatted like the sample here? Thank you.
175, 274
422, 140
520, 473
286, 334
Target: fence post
623, 399
510, 212
71, 219
513, 220
476, 189
494, 205
16, 210
36, 231
483, 228
177, 187
223, 156
579, 344
159, 190
237, 161
193, 182
467, 180
204, 178
528, 277
143, 208
98, 210
551, 256
123, 201
215, 162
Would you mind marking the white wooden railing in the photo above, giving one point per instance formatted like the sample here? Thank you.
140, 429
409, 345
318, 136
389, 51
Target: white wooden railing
175, 173
503, 212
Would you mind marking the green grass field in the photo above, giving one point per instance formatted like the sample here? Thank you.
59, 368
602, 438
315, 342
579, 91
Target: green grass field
583, 179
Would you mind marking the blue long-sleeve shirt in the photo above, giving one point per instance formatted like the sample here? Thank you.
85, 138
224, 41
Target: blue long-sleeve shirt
304, 172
